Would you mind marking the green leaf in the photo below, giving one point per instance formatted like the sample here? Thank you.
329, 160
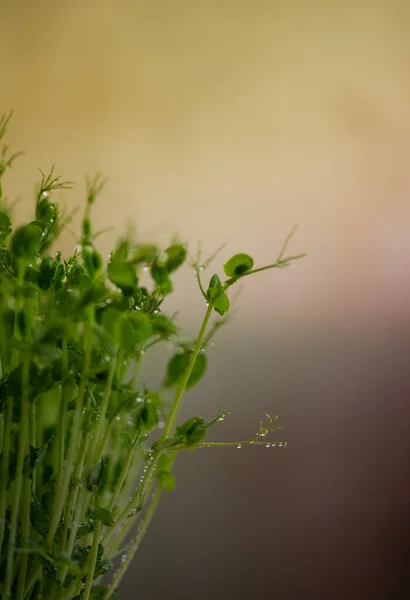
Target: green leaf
5, 227
47, 501
98, 592
147, 416
151, 305
219, 300
164, 462
77, 277
141, 326
93, 261
92, 295
39, 518
54, 332
175, 257
178, 365
35, 456
163, 326
103, 564
238, 265
93, 477
111, 321
144, 253
160, 276
193, 431
59, 276
46, 212
46, 274
122, 274
215, 282
26, 241
85, 527
134, 330
103, 515
190, 425
167, 480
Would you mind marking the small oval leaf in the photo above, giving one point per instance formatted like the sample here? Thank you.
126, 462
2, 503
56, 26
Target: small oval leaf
238, 265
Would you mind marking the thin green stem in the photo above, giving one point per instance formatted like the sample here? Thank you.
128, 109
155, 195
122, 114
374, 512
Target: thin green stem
95, 456
134, 545
62, 425
124, 472
92, 562
146, 483
33, 420
5, 459
25, 530
22, 450
170, 422
74, 438
1, 432
74, 504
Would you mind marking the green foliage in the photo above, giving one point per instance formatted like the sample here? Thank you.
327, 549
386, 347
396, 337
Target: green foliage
192, 432
238, 265
217, 296
86, 447
177, 368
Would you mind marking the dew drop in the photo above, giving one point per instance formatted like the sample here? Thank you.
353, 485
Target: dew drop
161, 425
239, 446
221, 418
123, 558
118, 418
145, 269
268, 445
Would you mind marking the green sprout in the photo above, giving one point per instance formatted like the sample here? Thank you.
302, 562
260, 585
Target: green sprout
86, 448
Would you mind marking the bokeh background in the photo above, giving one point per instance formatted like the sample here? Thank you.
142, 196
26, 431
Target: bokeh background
228, 121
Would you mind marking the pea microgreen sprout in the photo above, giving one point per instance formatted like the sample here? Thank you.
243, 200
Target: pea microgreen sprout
86, 447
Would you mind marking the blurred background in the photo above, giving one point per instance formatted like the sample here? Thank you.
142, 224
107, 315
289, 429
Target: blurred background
228, 121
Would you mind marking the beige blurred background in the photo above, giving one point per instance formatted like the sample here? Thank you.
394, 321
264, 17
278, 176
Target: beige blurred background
228, 122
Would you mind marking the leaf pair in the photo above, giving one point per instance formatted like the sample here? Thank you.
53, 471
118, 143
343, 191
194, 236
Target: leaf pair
166, 263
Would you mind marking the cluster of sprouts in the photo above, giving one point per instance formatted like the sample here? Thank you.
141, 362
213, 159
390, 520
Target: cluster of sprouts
86, 448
